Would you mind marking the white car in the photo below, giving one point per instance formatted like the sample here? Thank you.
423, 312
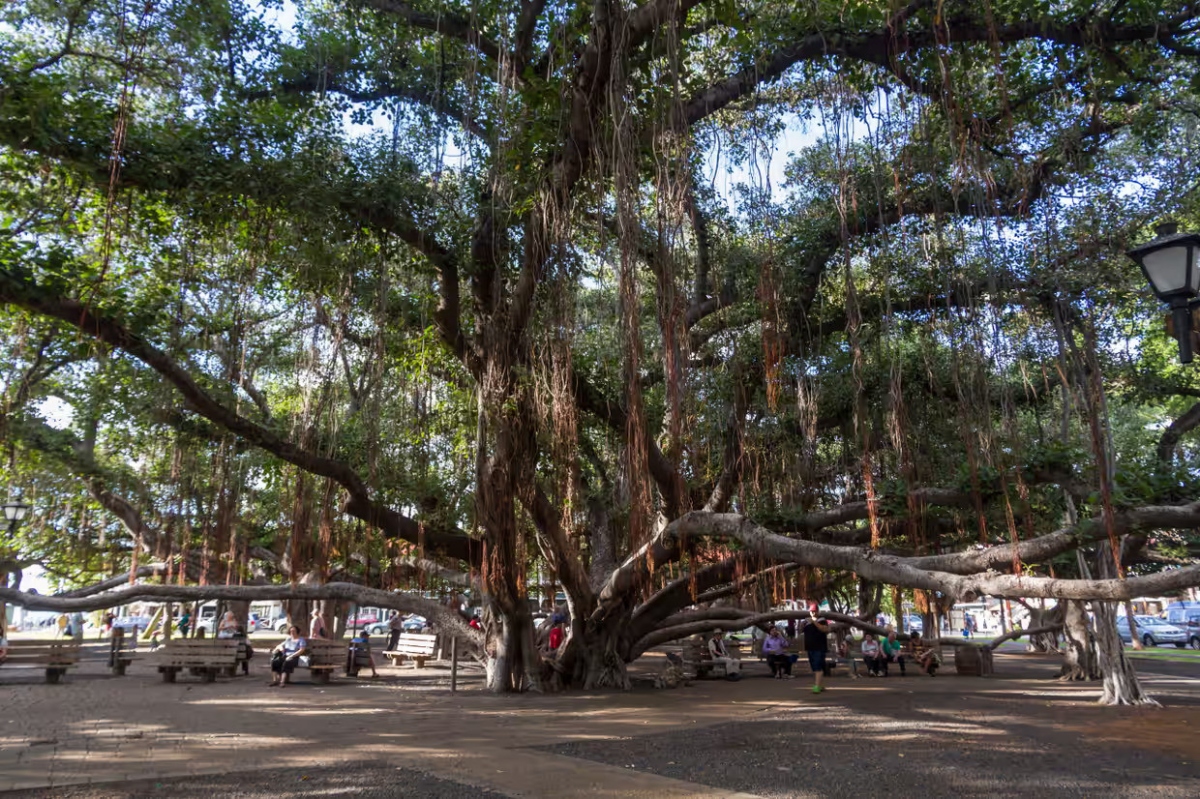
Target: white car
1153, 631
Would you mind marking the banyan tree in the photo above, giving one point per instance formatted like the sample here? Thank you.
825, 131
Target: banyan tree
679, 308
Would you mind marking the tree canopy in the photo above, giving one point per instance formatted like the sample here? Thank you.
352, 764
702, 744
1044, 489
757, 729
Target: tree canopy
489, 294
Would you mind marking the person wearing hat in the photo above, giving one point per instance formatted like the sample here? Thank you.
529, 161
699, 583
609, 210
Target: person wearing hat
720, 655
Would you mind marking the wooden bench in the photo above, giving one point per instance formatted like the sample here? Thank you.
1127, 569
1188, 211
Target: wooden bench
206, 657
418, 646
56, 656
698, 662
324, 656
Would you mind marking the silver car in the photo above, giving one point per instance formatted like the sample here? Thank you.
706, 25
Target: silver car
1153, 631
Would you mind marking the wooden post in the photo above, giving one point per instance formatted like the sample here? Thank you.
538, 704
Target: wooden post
115, 637
453, 663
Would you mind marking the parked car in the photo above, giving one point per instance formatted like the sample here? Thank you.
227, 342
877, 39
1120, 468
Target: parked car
914, 623
1185, 615
355, 622
1153, 631
380, 627
414, 624
127, 623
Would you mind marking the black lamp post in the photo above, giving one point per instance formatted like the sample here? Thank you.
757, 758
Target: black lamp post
14, 514
1169, 262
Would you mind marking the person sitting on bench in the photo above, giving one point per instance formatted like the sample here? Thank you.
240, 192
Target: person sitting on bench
893, 652
872, 655
285, 657
720, 655
779, 660
926, 658
360, 652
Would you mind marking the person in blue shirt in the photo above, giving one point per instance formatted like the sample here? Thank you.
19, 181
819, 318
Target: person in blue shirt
360, 652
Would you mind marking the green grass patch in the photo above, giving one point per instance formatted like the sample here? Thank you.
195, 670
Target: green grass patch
1166, 653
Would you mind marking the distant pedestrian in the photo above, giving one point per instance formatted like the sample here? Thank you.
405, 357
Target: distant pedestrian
64, 625
107, 624
395, 627
316, 628
185, 623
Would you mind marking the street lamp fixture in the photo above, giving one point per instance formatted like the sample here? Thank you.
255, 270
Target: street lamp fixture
1170, 263
14, 513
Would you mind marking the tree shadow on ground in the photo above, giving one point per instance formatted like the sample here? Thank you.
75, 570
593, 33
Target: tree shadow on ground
347, 780
1002, 737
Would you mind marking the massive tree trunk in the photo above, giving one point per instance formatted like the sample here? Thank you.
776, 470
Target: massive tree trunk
1121, 685
1079, 647
505, 427
600, 660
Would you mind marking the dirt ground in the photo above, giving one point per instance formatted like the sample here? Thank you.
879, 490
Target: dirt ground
1019, 733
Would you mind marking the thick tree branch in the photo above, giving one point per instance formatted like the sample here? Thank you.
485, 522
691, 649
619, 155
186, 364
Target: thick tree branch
881, 47
445, 24
1188, 421
342, 82
900, 571
21, 290
447, 619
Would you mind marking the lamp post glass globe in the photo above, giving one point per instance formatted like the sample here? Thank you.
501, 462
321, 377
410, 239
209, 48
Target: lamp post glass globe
1170, 264
14, 513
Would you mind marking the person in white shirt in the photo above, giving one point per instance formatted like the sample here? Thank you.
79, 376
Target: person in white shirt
871, 655
228, 626
720, 655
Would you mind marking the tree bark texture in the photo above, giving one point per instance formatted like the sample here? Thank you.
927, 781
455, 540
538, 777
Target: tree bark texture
1079, 646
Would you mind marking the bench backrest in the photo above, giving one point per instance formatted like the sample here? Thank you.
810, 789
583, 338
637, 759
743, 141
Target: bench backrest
53, 652
416, 644
693, 651
323, 652
199, 650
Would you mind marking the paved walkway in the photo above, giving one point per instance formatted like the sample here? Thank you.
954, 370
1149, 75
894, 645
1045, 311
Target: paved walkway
713, 739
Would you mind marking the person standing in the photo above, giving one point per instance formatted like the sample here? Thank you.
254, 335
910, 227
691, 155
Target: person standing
185, 622
556, 638
395, 627
316, 628
816, 644
779, 661
76, 629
